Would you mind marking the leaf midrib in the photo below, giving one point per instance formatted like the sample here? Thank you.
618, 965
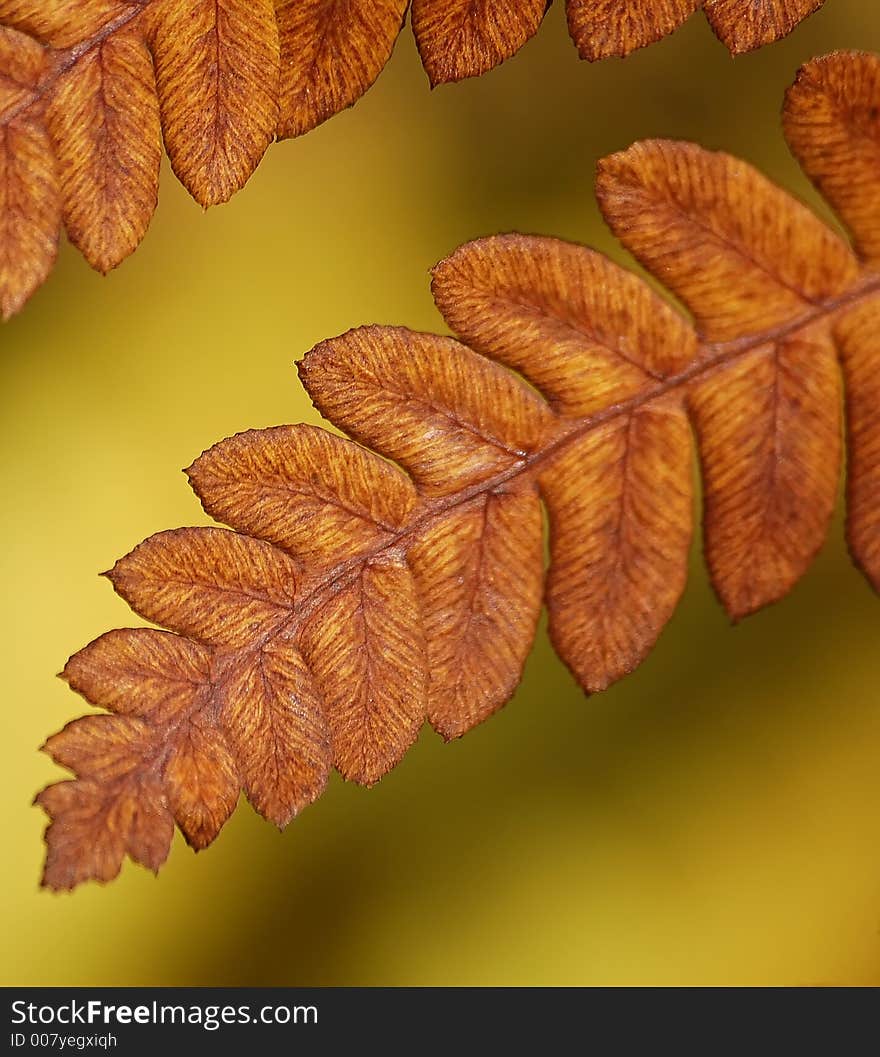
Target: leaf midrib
67, 58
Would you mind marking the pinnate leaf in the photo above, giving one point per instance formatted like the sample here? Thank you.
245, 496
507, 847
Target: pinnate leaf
365, 591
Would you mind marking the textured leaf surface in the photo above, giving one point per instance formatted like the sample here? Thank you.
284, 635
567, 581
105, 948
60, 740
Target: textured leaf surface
96, 824
621, 509
217, 77
202, 782
274, 721
331, 52
104, 122
222, 78
832, 123
29, 197
464, 38
142, 672
363, 592
601, 28
367, 650
741, 253
745, 26
858, 335
768, 425
317, 496
479, 574
30, 211
582, 330
66, 23
215, 586
382, 386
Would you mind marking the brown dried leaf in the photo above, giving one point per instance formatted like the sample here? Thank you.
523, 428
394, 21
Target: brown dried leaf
582, 330
101, 747
217, 64
317, 496
201, 780
80, 119
858, 338
331, 53
366, 597
381, 385
479, 573
768, 426
94, 825
65, 23
30, 211
142, 672
744, 25
274, 723
602, 28
214, 586
29, 201
104, 121
620, 506
464, 38
832, 124
742, 254
23, 63
366, 648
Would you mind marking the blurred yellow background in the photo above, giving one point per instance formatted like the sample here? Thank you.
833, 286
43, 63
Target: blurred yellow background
711, 820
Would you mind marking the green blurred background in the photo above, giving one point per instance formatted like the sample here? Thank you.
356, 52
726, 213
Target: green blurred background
711, 820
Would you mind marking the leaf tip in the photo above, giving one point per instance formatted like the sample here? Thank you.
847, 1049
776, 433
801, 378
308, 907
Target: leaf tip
739, 609
55, 886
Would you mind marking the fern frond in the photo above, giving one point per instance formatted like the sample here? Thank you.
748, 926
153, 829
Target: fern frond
371, 583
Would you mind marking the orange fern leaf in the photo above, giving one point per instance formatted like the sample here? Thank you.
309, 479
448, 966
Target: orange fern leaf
371, 583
